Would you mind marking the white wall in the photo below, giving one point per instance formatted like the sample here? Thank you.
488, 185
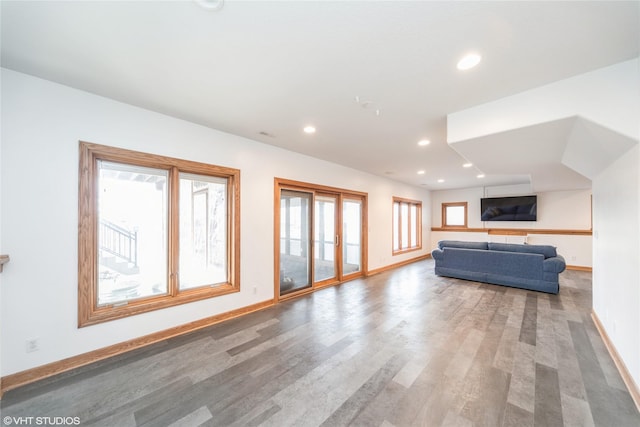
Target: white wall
616, 256
566, 210
42, 124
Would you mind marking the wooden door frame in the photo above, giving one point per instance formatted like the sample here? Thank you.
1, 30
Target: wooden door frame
342, 194
363, 236
336, 253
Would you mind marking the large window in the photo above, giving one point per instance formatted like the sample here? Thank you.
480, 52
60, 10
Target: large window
454, 215
407, 225
153, 232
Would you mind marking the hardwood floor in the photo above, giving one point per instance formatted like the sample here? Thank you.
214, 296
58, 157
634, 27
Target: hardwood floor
401, 348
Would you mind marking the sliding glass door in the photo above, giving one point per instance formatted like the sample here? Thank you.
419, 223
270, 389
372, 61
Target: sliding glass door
324, 238
351, 236
295, 244
320, 237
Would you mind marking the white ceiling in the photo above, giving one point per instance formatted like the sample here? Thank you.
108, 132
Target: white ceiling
276, 66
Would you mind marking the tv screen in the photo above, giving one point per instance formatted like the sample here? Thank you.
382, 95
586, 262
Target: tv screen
523, 208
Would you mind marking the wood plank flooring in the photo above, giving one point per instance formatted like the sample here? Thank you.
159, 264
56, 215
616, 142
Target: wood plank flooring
401, 348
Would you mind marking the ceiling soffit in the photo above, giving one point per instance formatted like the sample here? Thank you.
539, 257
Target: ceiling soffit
561, 154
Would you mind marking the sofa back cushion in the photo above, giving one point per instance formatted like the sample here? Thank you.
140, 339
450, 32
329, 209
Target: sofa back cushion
496, 263
462, 245
546, 250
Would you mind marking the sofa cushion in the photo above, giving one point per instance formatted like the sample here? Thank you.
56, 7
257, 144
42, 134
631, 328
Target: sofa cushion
514, 264
462, 245
546, 250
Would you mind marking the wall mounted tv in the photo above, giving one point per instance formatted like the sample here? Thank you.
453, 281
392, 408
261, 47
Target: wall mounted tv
522, 208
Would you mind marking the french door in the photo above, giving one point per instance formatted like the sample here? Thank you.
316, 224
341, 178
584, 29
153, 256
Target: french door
320, 237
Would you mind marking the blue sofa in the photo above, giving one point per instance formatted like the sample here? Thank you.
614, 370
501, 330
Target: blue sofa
534, 267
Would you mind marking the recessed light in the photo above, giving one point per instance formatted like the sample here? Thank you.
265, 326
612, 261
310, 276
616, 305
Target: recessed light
441, 180
420, 172
211, 4
469, 61
467, 165
424, 142
480, 175
309, 129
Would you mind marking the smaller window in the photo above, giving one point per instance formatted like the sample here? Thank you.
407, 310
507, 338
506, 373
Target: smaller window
454, 215
407, 225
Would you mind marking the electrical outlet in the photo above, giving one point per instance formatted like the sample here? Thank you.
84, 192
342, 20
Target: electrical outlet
255, 290
32, 345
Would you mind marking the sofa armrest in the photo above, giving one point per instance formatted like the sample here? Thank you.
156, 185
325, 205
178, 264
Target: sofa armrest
554, 264
437, 254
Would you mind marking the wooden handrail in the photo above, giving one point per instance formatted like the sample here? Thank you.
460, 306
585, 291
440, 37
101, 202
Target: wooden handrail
3, 260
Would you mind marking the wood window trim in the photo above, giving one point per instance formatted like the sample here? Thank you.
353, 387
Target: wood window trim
88, 311
444, 216
418, 245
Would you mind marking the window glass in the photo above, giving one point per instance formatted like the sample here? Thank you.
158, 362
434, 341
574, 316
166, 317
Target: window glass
404, 221
203, 231
413, 219
396, 226
132, 232
351, 234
